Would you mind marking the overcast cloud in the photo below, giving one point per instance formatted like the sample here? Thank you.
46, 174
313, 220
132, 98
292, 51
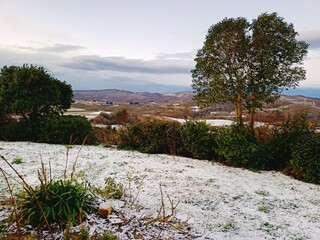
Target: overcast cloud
311, 37
121, 64
139, 45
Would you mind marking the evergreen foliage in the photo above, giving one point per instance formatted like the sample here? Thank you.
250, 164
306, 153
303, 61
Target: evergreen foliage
198, 140
306, 158
56, 129
248, 64
153, 137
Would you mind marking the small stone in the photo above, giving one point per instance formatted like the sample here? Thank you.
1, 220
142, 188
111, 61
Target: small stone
116, 221
105, 209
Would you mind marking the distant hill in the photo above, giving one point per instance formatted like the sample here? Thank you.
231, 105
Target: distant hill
115, 95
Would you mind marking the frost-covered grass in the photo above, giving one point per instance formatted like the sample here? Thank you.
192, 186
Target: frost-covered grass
219, 202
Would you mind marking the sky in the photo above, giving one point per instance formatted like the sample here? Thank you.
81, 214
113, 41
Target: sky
140, 45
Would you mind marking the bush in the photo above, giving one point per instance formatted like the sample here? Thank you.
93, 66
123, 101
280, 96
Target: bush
107, 136
236, 145
153, 137
61, 201
7, 128
279, 147
56, 129
306, 158
121, 116
198, 140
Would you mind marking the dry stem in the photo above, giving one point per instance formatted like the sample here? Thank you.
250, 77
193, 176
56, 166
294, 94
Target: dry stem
165, 218
14, 203
76, 160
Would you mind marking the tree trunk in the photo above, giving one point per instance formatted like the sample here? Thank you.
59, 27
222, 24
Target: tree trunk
239, 115
238, 110
252, 113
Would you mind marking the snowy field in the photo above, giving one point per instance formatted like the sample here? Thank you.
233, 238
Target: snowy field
218, 202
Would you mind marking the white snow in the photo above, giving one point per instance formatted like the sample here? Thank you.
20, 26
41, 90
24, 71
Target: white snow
212, 122
219, 202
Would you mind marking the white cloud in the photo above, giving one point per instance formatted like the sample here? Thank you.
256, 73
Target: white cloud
311, 37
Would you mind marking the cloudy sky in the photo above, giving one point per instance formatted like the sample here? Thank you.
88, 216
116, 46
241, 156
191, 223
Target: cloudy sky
138, 45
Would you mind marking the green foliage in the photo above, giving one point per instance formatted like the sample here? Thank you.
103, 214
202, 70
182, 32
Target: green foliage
67, 231
112, 189
278, 149
153, 137
84, 233
108, 236
236, 145
306, 158
198, 140
31, 236
248, 64
61, 202
17, 160
263, 207
31, 92
7, 127
56, 129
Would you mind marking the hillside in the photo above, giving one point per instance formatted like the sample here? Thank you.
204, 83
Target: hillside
179, 105
115, 95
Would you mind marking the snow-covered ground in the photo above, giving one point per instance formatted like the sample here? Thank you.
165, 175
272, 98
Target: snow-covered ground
219, 202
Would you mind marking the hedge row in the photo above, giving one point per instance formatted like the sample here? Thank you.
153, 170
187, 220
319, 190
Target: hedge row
52, 128
294, 145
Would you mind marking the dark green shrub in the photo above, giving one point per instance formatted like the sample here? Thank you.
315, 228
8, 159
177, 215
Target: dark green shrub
279, 147
56, 129
306, 158
236, 145
153, 137
198, 140
7, 128
61, 201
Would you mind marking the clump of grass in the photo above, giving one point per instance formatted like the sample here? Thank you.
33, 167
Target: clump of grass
268, 227
84, 233
61, 201
262, 192
67, 232
229, 226
263, 207
17, 160
108, 236
31, 236
113, 189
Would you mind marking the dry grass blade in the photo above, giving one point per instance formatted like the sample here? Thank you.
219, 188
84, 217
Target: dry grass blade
76, 160
14, 203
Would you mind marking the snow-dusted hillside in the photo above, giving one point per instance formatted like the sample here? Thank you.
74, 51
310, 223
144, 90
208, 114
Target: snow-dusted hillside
219, 202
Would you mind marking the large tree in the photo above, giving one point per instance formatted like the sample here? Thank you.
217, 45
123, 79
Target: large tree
31, 92
248, 64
